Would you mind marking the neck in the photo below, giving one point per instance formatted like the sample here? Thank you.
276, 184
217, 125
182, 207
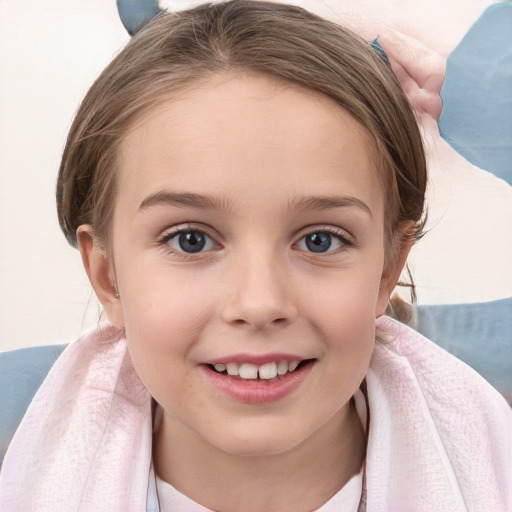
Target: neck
301, 479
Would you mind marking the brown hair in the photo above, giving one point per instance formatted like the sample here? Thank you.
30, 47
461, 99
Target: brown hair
282, 41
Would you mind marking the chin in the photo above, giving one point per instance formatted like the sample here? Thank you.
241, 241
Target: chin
259, 442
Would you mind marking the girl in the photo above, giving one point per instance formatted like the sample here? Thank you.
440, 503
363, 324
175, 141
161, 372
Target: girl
244, 183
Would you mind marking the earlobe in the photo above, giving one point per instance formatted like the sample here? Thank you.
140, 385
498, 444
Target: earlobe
100, 273
391, 273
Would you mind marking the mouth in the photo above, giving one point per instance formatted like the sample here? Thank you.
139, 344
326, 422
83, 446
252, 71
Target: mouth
252, 383
269, 372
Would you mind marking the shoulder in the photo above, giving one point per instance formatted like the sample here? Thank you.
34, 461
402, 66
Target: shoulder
446, 383
462, 416
434, 368
21, 374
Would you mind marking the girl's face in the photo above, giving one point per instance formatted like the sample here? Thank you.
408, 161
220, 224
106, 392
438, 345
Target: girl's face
247, 237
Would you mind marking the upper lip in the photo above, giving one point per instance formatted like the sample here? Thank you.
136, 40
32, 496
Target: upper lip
256, 359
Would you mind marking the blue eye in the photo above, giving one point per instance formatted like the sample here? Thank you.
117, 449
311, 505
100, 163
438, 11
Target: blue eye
191, 241
318, 242
321, 242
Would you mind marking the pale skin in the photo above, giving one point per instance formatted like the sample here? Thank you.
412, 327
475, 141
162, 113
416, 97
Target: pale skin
259, 169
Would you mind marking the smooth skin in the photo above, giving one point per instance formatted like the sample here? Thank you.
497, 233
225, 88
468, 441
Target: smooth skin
259, 170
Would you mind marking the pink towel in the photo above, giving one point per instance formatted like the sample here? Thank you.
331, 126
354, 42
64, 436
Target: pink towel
440, 438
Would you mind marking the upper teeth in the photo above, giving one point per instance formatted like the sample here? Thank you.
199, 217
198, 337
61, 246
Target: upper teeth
253, 371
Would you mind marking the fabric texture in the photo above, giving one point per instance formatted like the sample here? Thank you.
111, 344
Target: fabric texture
440, 437
22, 372
480, 334
476, 119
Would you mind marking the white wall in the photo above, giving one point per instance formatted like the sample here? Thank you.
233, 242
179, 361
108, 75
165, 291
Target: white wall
50, 52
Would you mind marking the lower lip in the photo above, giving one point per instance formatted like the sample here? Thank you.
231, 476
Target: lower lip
257, 391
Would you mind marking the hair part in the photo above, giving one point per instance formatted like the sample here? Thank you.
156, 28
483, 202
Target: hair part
282, 41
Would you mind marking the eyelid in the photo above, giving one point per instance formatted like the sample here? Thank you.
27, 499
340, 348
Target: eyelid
345, 238
341, 233
170, 233
184, 227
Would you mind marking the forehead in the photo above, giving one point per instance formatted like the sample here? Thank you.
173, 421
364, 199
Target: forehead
249, 132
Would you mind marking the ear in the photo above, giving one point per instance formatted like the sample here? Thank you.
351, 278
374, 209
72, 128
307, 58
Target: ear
100, 273
402, 244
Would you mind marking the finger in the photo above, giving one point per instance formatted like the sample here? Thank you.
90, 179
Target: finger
421, 88
423, 64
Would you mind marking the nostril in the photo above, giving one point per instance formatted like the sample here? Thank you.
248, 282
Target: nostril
259, 323
258, 311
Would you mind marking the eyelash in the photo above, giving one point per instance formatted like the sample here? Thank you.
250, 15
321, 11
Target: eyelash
165, 240
346, 240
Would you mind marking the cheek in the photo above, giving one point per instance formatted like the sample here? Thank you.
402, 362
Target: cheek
164, 318
343, 313
348, 328
344, 298
157, 296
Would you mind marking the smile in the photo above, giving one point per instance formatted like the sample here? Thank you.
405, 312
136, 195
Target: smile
249, 371
257, 383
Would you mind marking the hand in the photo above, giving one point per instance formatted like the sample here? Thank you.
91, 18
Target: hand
421, 72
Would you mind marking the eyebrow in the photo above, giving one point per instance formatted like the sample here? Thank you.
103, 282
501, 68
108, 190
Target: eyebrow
317, 203
204, 202
224, 205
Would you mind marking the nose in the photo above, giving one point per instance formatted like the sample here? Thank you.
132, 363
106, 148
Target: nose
259, 294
